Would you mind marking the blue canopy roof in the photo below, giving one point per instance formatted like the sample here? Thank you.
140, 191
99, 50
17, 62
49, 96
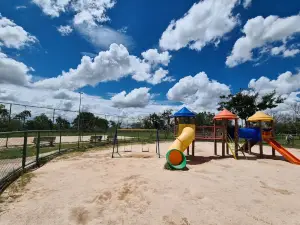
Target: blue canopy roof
184, 112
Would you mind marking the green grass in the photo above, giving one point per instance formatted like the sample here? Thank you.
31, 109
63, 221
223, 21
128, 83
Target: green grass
13, 153
17, 152
51, 133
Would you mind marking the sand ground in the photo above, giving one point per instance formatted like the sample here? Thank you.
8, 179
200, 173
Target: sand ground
92, 188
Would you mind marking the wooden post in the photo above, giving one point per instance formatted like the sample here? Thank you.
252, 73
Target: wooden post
273, 136
261, 153
226, 137
188, 150
193, 148
223, 137
215, 141
236, 137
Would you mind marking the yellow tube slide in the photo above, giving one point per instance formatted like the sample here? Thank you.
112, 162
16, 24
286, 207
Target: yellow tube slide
184, 139
175, 157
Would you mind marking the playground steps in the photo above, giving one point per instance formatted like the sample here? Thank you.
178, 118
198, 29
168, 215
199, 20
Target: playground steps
231, 146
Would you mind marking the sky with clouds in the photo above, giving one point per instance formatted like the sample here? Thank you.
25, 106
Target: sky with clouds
137, 57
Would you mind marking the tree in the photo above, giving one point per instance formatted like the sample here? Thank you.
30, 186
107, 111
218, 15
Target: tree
62, 124
296, 109
166, 117
88, 121
41, 122
23, 116
153, 121
113, 124
3, 118
3, 112
245, 104
204, 118
100, 124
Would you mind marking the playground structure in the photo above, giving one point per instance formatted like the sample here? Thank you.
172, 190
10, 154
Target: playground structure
186, 133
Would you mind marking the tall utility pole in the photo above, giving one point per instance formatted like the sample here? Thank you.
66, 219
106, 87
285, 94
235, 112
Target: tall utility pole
78, 122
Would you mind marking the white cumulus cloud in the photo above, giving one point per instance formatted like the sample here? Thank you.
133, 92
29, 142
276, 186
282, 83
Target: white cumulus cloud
206, 22
65, 30
291, 52
65, 94
198, 92
284, 51
85, 11
159, 76
247, 3
153, 56
137, 98
13, 72
284, 84
14, 36
109, 65
260, 32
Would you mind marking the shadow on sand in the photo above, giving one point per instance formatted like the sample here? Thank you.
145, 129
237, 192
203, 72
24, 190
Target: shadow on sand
196, 160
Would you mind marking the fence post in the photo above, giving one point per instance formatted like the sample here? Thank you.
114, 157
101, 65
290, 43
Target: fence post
78, 139
59, 146
9, 119
24, 150
157, 143
38, 148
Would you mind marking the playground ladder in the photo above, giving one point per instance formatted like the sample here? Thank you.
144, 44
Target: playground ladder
231, 146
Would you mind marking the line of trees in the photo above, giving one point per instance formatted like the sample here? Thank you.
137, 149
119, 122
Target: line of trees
24, 121
164, 121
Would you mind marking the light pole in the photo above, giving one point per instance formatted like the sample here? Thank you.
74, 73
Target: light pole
78, 123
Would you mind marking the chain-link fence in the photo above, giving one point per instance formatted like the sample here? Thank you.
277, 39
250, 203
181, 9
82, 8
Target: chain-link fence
23, 149
20, 117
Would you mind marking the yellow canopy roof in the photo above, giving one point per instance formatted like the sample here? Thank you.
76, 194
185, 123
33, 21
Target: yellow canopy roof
260, 116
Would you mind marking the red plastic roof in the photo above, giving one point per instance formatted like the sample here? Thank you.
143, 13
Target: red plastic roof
225, 114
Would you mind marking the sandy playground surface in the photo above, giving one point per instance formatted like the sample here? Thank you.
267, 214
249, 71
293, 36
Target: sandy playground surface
92, 188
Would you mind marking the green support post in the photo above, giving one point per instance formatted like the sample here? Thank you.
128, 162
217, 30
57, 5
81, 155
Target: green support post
38, 148
24, 150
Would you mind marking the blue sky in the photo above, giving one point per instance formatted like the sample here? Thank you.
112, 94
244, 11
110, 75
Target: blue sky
144, 24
